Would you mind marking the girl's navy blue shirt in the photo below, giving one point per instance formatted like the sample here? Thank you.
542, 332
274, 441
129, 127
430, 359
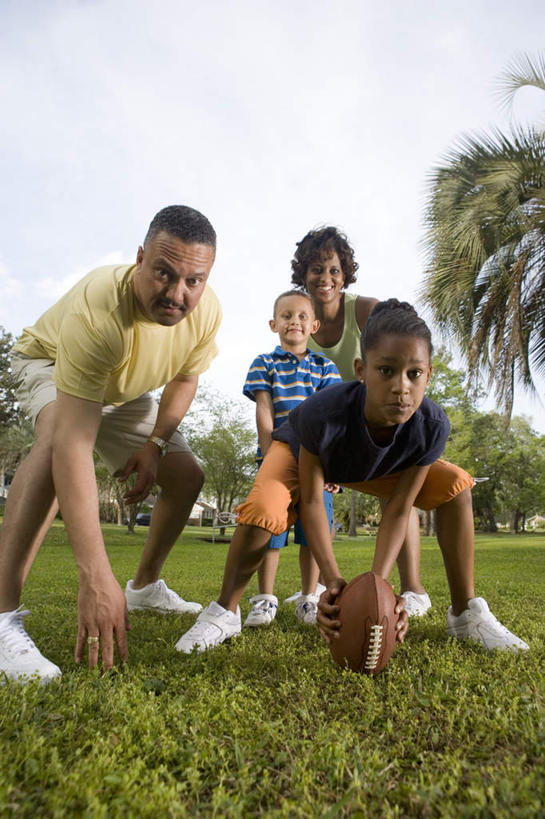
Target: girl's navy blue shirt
331, 425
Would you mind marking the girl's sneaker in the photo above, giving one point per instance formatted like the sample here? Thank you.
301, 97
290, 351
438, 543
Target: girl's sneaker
479, 624
416, 604
213, 625
263, 611
306, 609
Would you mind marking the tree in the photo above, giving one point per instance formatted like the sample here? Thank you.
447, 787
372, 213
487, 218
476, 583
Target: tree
225, 444
10, 413
354, 508
15, 442
485, 242
512, 458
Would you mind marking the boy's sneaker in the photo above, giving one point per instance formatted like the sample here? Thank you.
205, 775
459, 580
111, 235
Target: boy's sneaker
263, 611
213, 625
20, 659
479, 624
306, 609
158, 597
294, 597
416, 604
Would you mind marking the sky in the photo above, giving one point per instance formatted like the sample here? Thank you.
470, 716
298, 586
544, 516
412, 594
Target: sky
271, 118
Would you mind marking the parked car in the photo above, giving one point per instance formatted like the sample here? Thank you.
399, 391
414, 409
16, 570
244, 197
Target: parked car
143, 519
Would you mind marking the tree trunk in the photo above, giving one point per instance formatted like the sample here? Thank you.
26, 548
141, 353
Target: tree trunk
517, 514
430, 526
134, 509
491, 520
352, 524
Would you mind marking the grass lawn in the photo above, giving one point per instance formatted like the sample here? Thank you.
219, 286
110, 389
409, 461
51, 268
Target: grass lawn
267, 725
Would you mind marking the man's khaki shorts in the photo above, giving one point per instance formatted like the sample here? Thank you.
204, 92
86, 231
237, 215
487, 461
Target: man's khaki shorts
123, 429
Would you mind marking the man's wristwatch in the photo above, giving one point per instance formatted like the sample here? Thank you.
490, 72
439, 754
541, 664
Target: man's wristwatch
160, 442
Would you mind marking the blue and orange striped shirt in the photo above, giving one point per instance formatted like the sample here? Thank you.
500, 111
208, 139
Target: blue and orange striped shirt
288, 380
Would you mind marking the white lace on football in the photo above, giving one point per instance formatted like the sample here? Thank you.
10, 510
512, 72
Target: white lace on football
375, 644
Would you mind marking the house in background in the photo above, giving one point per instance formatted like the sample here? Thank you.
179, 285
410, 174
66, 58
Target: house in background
202, 514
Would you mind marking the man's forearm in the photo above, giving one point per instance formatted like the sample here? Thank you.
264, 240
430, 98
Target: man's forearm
75, 485
175, 401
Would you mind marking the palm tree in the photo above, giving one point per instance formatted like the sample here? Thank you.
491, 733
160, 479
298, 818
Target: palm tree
485, 243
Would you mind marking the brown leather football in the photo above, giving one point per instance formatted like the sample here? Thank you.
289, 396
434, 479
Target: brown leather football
367, 636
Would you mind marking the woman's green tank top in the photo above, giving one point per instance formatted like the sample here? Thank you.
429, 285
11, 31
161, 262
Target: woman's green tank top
348, 347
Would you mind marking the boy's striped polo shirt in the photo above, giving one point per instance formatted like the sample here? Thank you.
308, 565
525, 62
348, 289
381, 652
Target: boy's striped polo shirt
288, 380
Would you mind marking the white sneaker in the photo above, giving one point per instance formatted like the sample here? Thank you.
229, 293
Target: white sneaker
20, 659
213, 625
479, 624
306, 609
263, 611
158, 597
294, 597
416, 604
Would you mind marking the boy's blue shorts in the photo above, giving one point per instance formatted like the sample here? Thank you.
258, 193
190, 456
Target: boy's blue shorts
279, 541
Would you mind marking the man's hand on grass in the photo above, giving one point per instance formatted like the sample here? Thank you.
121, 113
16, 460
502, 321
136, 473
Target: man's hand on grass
102, 613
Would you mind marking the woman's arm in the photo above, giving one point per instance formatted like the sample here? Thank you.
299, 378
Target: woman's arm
364, 306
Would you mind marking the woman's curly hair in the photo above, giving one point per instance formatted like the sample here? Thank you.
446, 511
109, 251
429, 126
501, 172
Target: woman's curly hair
321, 244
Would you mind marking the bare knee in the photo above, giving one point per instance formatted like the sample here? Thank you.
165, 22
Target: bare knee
179, 472
462, 501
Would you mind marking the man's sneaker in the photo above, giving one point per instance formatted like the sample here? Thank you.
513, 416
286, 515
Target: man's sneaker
306, 609
416, 604
158, 597
20, 659
294, 597
263, 611
213, 625
479, 624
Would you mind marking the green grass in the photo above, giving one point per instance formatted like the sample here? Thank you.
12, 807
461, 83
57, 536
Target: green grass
267, 725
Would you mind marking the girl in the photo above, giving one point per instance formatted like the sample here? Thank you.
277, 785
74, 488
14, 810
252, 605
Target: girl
377, 435
324, 266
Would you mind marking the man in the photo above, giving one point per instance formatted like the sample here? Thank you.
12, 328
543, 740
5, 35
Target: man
87, 369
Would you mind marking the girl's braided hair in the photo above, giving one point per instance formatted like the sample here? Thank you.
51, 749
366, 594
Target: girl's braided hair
393, 318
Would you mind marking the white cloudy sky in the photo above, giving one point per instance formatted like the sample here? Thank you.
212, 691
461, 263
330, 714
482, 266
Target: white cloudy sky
271, 117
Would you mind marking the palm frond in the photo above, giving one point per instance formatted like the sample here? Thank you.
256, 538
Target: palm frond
522, 71
485, 255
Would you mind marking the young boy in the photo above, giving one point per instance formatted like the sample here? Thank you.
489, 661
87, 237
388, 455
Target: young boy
278, 382
377, 435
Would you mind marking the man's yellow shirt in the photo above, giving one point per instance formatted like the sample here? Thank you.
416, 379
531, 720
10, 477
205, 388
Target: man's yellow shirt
106, 350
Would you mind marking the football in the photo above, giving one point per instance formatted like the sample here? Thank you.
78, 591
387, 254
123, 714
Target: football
367, 636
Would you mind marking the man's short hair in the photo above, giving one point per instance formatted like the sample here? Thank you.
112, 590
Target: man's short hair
184, 223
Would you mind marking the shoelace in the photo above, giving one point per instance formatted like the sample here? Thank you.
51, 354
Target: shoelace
15, 637
166, 595
491, 620
262, 605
